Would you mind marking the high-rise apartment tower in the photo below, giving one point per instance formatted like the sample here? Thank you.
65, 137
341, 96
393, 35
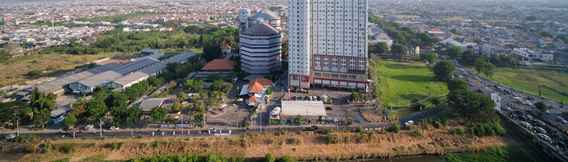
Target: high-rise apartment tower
328, 44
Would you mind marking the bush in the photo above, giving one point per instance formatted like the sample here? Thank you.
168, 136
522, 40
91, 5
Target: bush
457, 131
331, 138
286, 159
114, 146
66, 148
417, 133
269, 158
26, 138
395, 128
292, 141
487, 129
45, 147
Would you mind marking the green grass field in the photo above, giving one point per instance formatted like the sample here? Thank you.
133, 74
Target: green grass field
399, 83
554, 83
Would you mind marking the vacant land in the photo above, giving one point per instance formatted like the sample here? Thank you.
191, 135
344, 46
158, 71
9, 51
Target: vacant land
554, 84
400, 83
301, 145
20, 69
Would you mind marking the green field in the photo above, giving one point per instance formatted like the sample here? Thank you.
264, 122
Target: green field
554, 84
399, 83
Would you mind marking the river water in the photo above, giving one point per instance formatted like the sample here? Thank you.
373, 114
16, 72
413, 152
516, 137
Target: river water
413, 159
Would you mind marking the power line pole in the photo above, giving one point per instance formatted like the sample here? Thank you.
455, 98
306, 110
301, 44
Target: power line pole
101, 127
17, 127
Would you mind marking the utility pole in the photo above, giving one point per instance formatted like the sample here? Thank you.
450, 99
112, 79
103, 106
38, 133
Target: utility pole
101, 127
18, 127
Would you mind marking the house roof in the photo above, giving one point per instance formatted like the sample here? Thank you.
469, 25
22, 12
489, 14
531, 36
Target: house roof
150, 104
256, 87
303, 108
219, 65
264, 82
261, 29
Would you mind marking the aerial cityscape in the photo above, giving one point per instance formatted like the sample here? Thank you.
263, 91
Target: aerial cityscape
284, 80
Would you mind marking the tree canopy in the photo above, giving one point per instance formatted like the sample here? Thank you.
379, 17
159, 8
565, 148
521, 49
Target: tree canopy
472, 105
444, 70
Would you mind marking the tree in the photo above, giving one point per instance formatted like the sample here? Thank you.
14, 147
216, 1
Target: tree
454, 85
285, 50
541, 106
181, 96
199, 119
215, 98
158, 114
378, 48
96, 110
12, 111
41, 117
430, 58
134, 115
425, 40
42, 101
455, 52
398, 50
472, 105
504, 60
483, 66
564, 39
395, 128
211, 51
218, 85
118, 103
194, 85
468, 58
40, 108
70, 121
444, 70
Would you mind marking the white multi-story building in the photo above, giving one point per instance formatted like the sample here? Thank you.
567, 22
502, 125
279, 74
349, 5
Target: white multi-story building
260, 49
328, 43
530, 55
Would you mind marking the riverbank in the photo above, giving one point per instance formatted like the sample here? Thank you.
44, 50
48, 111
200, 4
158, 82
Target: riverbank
299, 145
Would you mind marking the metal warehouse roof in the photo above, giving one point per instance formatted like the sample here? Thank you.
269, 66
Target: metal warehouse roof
153, 69
135, 65
303, 108
100, 79
131, 78
57, 84
179, 58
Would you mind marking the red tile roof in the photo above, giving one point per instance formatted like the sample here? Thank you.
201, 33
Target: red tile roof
252, 99
264, 82
255, 87
219, 65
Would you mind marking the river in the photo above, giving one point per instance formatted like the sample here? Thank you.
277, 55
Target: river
413, 159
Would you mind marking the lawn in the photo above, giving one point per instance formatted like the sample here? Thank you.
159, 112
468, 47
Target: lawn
399, 83
14, 71
554, 83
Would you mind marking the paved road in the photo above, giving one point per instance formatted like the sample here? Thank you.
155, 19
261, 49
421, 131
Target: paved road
59, 134
518, 108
